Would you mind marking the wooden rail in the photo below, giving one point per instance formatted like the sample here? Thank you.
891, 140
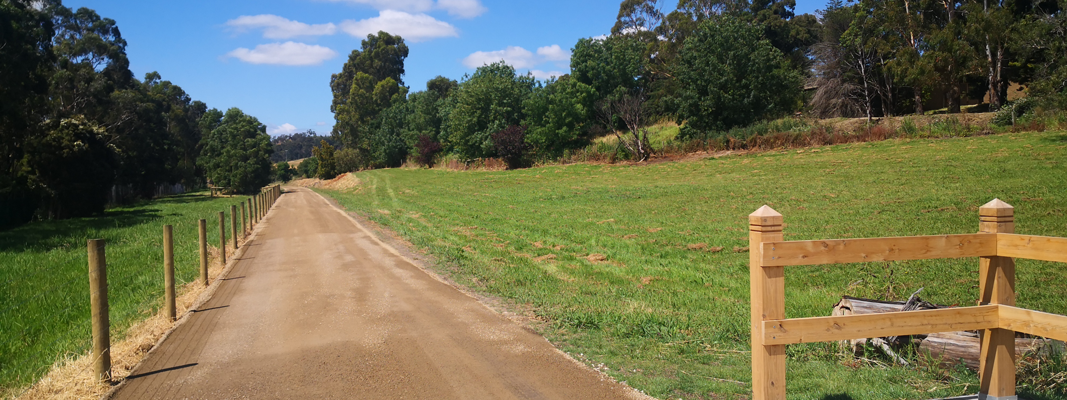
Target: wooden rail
997, 318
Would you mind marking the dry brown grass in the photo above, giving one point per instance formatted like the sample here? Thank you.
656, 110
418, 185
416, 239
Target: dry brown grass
72, 377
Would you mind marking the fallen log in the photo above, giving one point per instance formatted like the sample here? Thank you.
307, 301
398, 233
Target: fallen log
948, 348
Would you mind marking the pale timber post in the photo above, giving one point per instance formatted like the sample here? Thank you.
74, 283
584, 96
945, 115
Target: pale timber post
244, 221
203, 250
168, 272
996, 277
768, 303
233, 226
98, 304
222, 236
251, 213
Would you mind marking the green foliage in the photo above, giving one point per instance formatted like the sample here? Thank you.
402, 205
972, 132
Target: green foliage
380, 56
559, 116
296, 146
74, 167
389, 149
489, 101
327, 164
612, 66
349, 160
283, 172
732, 77
236, 153
308, 168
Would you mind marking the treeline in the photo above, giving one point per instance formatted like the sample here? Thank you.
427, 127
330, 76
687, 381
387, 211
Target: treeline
75, 122
710, 66
296, 146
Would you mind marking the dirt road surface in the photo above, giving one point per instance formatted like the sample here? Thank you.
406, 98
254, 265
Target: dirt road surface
317, 307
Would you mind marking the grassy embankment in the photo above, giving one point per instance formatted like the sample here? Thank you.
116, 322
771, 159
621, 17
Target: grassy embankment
621, 263
44, 298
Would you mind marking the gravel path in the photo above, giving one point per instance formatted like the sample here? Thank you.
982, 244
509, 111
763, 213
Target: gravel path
316, 307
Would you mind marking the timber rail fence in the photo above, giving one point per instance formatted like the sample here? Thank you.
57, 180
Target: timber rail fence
996, 317
101, 344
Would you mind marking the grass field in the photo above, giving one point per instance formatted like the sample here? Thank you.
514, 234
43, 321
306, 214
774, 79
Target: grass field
44, 298
620, 262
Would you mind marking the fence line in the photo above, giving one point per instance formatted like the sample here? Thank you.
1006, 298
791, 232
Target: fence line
996, 318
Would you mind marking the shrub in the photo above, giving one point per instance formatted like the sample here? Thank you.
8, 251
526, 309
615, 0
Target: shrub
511, 146
1009, 113
427, 150
283, 172
327, 163
349, 160
308, 168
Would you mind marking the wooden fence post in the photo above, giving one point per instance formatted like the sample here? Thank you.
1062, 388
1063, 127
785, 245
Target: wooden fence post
997, 286
203, 250
244, 221
98, 304
233, 226
168, 272
222, 236
768, 303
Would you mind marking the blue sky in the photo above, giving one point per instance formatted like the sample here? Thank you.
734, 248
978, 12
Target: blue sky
273, 58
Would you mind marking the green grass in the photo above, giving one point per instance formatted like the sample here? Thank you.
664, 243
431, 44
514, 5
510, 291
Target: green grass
674, 321
44, 298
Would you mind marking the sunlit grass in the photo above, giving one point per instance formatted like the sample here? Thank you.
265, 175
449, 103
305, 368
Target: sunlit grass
44, 298
618, 261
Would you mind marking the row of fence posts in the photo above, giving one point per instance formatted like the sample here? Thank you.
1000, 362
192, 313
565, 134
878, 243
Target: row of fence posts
258, 206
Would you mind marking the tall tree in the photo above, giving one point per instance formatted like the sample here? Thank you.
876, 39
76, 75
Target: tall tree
487, 102
236, 153
381, 56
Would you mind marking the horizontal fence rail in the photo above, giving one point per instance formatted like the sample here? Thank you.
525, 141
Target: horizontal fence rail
996, 318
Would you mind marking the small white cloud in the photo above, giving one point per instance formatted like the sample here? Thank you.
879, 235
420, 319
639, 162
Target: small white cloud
462, 8
457, 8
514, 56
600, 38
412, 27
275, 27
542, 75
554, 53
288, 53
320, 123
283, 129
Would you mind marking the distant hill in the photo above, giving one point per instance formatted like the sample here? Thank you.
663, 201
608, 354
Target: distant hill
297, 146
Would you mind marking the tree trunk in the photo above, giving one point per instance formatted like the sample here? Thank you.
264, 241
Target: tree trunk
918, 100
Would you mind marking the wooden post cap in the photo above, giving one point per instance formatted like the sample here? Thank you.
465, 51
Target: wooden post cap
996, 211
765, 219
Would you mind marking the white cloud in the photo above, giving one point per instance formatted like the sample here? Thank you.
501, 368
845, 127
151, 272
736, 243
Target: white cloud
275, 27
288, 53
320, 123
600, 38
554, 53
462, 8
413, 27
542, 75
457, 8
514, 56
283, 129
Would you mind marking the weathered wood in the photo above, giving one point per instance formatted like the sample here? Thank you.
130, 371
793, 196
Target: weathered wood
1031, 247
768, 303
233, 226
168, 273
222, 236
996, 281
951, 348
815, 252
101, 320
827, 329
1035, 323
202, 225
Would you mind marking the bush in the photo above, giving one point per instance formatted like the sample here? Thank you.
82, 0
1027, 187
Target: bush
511, 146
1010, 112
427, 150
283, 172
327, 165
308, 168
349, 160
